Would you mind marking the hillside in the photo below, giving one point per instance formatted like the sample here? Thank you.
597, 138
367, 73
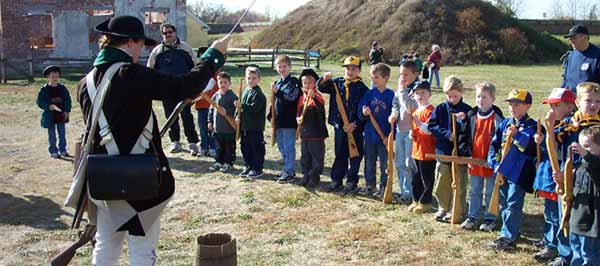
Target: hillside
469, 31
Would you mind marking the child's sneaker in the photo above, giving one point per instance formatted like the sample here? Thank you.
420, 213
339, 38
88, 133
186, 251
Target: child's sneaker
412, 206
558, 261
487, 226
201, 152
447, 217
176, 147
245, 172
439, 215
503, 244
255, 174
54, 155
333, 187
64, 154
469, 224
405, 199
349, 189
193, 149
284, 178
212, 153
422, 208
379, 193
367, 191
225, 167
215, 167
547, 254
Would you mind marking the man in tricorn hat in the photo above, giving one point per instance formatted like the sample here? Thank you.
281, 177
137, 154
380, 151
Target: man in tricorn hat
127, 113
583, 62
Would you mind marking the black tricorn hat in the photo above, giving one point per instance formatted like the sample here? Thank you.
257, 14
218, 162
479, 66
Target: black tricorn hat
51, 68
124, 26
309, 72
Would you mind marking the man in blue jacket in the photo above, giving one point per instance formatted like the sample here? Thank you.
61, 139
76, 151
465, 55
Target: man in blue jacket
583, 62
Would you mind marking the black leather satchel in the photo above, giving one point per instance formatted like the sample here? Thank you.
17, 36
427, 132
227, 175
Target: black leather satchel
123, 177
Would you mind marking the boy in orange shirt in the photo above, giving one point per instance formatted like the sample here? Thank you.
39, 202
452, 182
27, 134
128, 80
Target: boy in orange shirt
423, 143
483, 121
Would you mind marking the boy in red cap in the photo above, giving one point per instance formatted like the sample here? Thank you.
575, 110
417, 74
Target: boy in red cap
562, 104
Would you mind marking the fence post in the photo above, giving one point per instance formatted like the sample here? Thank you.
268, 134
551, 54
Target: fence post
2, 68
305, 56
319, 59
249, 54
30, 60
273, 58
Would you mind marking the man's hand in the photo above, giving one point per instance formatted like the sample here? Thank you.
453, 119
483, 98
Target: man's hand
221, 44
366, 111
87, 235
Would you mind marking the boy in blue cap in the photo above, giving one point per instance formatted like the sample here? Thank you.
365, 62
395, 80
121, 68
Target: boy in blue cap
518, 166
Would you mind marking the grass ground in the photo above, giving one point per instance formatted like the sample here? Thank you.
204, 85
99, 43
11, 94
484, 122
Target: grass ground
275, 224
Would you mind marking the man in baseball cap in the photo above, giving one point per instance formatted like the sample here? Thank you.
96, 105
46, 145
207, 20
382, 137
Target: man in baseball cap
583, 62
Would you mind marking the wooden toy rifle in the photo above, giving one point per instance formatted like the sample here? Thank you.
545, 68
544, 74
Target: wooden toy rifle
458, 159
229, 118
388, 194
273, 124
304, 107
495, 198
567, 196
456, 182
538, 146
378, 129
239, 110
552, 154
351, 141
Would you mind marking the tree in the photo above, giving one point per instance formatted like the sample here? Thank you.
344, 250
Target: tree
509, 7
217, 13
592, 15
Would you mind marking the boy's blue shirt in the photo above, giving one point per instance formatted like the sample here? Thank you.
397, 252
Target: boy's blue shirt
543, 177
357, 91
380, 104
440, 125
519, 164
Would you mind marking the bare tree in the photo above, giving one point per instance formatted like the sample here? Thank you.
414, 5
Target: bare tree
592, 14
510, 7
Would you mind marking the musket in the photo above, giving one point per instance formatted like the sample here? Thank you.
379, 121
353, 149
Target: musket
342, 110
273, 122
456, 182
182, 105
304, 107
377, 128
567, 196
552, 154
216, 106
239, 110
458, 159
495, 198
388, 194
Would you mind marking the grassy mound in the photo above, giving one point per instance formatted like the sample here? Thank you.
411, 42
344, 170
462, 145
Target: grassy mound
469, 31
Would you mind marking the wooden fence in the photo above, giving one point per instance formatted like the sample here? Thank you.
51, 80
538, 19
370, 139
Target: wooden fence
26, 67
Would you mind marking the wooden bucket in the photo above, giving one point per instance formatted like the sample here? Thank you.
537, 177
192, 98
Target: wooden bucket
216, 249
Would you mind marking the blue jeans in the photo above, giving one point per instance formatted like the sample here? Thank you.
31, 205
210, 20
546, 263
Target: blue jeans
375, 152
62, 138
402, 161
437, 76
551, 224
476, 197
586, 250
564, 247
286, 142
512, 197
206, 140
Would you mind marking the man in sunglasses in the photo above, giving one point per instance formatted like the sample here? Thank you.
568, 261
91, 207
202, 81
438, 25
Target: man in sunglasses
175, 57
583, 62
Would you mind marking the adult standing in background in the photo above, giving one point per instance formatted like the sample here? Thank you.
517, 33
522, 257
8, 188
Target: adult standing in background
376, 54
434, 59
172, 56
582, 63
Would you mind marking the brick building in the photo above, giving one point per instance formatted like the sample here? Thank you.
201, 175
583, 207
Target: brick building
63, 28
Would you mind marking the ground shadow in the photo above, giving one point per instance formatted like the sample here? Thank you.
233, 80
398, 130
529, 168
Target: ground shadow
34, 211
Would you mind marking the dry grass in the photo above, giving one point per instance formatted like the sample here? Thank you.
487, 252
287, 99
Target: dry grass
275, 224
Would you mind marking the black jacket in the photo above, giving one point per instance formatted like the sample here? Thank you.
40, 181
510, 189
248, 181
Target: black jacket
585, 213
313, 125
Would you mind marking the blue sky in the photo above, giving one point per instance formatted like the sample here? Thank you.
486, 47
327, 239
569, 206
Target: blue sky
529, 8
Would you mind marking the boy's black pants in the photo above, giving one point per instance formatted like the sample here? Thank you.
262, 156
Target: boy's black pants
312, 158
253, 149
422, 182
342, 156
225, 148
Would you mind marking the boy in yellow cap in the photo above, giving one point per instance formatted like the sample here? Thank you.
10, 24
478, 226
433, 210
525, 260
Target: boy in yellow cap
518, 166
351, 89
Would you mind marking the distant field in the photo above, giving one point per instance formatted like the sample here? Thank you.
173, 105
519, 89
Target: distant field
275, 224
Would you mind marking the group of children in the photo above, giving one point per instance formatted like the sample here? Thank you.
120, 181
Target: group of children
425, 134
